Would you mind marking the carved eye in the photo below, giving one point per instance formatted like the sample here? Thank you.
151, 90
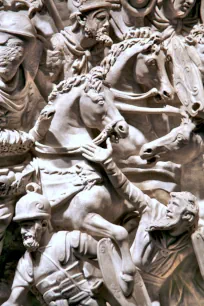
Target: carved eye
168, 58
101, 18
151, 62
179, 137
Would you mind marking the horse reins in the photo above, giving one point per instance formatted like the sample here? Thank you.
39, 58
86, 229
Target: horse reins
74, 150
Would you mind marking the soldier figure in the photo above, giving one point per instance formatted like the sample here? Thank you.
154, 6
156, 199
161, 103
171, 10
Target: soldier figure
80, 46
52, 262
20, 105
163, 238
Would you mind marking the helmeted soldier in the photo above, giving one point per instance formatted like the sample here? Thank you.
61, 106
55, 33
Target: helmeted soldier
80, 46
163, 237
19, 97
20, 105
52, 262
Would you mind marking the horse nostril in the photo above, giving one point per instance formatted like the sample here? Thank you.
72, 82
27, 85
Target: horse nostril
122, 128
196, 106
166, 94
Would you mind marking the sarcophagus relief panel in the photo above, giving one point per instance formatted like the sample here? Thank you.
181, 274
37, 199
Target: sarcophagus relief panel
101, 152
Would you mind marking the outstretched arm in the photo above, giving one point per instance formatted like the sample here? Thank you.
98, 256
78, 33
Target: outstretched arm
84, 246
121, 183
17, 297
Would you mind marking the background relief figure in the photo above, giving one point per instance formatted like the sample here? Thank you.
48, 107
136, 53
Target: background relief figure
101, 123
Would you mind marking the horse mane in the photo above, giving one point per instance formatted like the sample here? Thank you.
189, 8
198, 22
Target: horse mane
119, 48
66, 86
93, 80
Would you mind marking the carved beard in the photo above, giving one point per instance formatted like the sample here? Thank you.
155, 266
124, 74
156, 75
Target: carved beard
101, 36
9, 56
30, 242
164, 224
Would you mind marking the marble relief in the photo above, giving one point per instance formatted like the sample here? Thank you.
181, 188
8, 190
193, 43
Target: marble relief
101, 152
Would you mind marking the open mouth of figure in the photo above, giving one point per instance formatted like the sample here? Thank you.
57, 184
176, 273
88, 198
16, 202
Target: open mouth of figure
27, 237
152, 160
158, 98
115, 137
186, 7
169, 214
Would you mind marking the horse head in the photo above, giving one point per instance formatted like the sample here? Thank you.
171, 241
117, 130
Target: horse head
150, 72
182, 145
148, 59
97, 108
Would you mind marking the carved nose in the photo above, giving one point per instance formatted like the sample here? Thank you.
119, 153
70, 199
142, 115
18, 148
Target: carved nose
122, 128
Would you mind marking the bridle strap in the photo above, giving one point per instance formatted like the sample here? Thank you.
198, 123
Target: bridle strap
41, 148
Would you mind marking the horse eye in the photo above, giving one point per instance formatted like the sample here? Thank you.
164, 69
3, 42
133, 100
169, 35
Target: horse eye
151, 62
179, 138
168, 58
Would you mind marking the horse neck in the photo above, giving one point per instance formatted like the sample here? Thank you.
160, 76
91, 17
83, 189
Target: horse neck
192, 173
67, 127
126, 81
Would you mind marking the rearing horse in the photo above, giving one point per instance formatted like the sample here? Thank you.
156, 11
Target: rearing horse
137, 66
136, 72
81, 196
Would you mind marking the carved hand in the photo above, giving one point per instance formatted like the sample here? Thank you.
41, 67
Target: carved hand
43, 122
97, 154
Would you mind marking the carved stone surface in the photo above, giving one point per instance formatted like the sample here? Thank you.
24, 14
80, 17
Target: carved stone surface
101, 152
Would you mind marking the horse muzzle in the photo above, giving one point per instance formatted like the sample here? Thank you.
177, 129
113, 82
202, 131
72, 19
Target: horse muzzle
120, 130
149, 154
166, 94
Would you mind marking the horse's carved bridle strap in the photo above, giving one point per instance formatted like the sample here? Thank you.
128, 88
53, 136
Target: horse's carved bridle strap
107, 131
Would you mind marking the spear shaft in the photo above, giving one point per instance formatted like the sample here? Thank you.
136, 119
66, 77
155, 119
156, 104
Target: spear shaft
51, 7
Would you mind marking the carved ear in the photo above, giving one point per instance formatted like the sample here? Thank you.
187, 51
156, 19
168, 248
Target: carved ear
81, 19
44, 223
189, 217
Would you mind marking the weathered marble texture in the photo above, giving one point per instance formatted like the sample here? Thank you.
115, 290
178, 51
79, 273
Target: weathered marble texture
101, 152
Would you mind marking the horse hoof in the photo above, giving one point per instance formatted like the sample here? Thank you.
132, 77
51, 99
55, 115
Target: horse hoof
126, 282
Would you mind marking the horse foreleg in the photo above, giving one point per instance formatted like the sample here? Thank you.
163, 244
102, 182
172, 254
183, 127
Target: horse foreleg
98, 226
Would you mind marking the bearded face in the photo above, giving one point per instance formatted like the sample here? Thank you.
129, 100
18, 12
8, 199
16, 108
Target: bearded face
174, 219
165, 223
31, 232
182, 7
97, 27
12, 51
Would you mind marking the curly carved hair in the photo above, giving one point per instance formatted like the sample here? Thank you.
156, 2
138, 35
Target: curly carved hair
92, 80
196, 35
118, 49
